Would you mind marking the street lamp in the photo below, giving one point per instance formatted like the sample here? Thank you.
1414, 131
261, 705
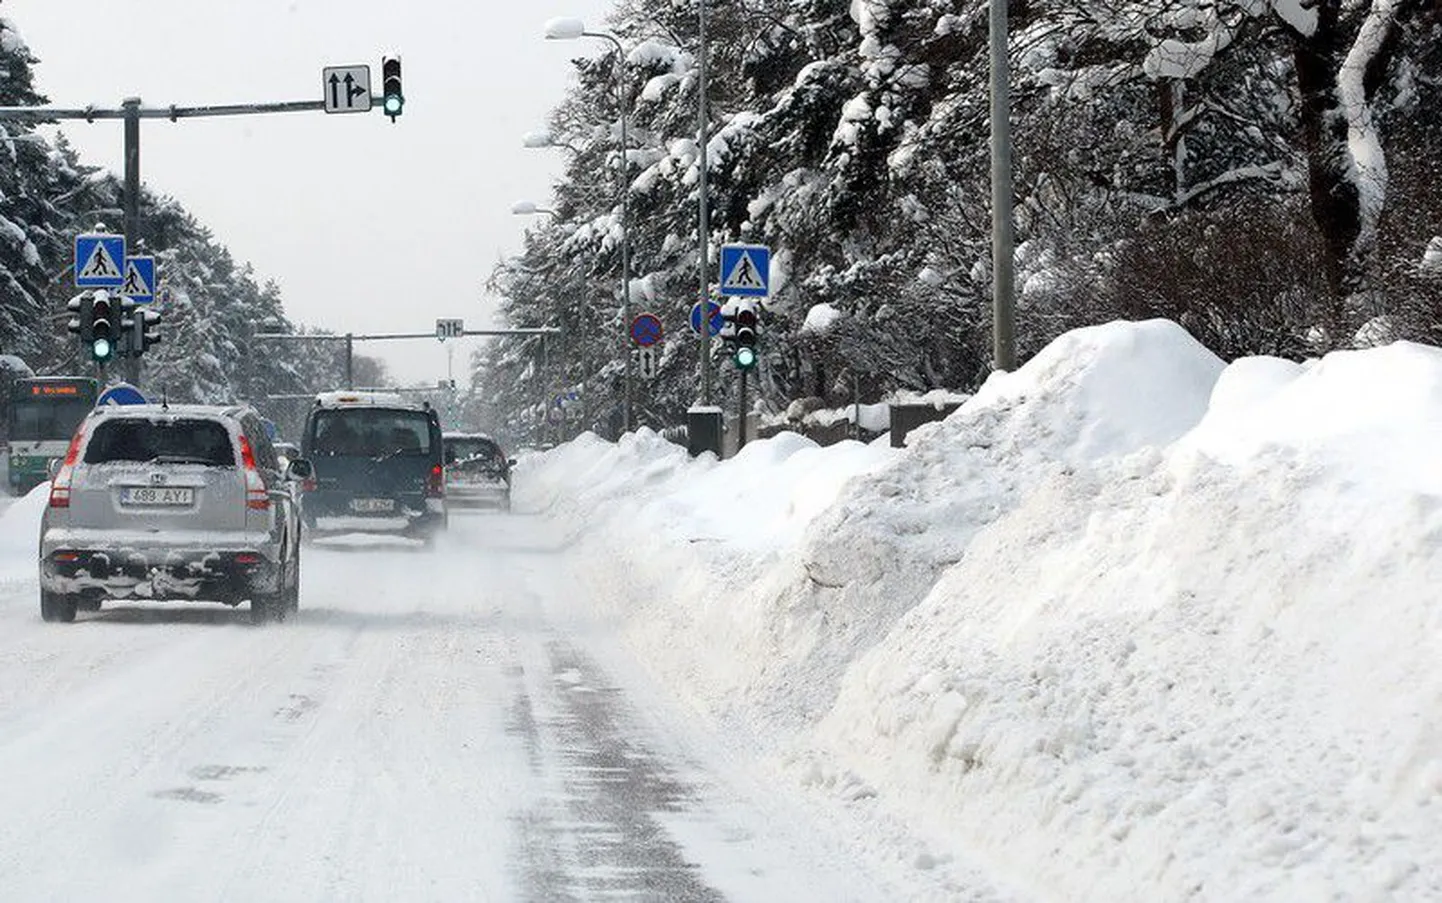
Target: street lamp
568, 29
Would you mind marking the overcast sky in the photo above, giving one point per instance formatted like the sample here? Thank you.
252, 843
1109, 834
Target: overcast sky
366, 225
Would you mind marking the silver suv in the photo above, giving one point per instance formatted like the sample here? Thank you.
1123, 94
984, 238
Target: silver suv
172, 502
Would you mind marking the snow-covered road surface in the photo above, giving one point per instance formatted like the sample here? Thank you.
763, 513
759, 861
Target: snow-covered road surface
436, 725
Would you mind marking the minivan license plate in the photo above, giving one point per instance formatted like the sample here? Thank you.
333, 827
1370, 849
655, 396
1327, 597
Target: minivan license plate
158, 496
371, 506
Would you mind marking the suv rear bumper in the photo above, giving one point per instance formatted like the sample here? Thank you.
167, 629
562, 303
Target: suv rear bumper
229, 571
331, 512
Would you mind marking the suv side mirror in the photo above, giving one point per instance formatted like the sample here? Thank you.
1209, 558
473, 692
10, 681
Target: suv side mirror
299, 469
52, 467
510, 462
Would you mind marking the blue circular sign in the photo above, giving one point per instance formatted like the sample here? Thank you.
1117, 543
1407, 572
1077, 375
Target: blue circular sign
121, 394
646, 330
717, 321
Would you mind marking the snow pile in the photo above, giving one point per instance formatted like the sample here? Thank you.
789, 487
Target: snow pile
1127, 625
20, 534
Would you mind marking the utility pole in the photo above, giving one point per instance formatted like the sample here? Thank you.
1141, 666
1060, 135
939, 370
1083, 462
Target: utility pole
704, 422
703, 230
1003, 294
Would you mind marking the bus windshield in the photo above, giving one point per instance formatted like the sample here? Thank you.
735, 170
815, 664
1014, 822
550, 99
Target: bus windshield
43, 410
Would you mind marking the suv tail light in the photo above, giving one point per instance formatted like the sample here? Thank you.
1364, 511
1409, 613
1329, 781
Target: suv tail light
436, 483
257, 498
60, 486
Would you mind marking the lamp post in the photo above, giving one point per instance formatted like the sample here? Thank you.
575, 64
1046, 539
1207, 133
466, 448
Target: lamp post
569, 30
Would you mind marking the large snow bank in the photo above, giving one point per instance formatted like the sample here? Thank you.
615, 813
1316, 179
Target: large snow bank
20, 534
1127, 625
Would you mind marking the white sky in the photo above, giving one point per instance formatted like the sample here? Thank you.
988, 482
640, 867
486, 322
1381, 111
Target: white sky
366, 225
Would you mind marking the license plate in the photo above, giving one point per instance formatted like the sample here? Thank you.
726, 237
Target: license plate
158, 496
371, 506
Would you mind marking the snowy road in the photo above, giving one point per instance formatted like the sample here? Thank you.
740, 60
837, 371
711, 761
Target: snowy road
442, 725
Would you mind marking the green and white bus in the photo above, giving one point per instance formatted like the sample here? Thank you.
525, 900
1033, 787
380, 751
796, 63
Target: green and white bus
44, 412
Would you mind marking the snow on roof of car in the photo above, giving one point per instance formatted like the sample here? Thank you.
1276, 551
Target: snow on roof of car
457, 434
168, 410
350, 398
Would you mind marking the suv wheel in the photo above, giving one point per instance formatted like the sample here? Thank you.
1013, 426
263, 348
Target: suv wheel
57, 607
292, 592
267, 607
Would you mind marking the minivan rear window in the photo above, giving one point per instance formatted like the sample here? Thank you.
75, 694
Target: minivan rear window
465, 448
168, 441
370, 433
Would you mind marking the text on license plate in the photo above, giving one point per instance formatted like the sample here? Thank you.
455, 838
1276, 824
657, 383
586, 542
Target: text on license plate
146, 495
368, 506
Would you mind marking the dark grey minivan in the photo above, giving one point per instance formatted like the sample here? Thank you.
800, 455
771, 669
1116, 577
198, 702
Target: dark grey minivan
379, 466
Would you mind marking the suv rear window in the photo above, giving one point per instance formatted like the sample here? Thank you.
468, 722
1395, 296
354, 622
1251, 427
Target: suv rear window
464, 448
370, 433
170, 441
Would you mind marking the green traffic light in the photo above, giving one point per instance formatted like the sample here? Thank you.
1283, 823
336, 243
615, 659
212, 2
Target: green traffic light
393, 104
745, 357
100, 349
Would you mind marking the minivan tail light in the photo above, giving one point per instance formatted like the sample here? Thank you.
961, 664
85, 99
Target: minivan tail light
256, 496
60, 486
436, 483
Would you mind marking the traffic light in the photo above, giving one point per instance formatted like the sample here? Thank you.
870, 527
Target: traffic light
79, 324
146, 329
392, 100
747, 322
104, 326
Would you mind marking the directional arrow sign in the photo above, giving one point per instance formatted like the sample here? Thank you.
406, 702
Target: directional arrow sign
347, 89
98, 259
450, 329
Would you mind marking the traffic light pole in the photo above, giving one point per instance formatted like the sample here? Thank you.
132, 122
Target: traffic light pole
741, 418
131, 106
131, 111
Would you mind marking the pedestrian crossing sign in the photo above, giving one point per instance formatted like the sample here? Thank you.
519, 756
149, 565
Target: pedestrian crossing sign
139, 279
98, 261
746, 270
